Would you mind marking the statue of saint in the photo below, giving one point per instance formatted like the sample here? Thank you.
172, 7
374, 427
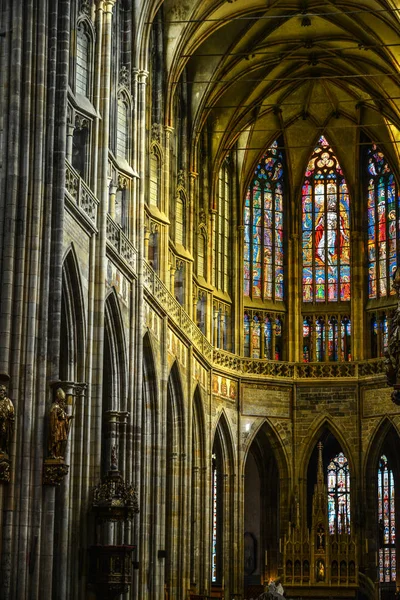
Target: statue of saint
59, 426
320, 571
6, 420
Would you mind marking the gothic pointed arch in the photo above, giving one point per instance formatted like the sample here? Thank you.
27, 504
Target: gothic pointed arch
382, 477
336, 457
149, 369
200, 490
265, 505
73, 326
175, 435
151, 494
320, 427
275, 442
264, 228
325, 228
386, 438
115, 355
222, 486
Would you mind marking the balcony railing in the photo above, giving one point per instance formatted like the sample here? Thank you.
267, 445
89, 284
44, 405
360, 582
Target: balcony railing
175, 311
251, 366
80, 193
119, 241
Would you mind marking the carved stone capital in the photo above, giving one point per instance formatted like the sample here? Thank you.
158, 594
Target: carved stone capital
54, 471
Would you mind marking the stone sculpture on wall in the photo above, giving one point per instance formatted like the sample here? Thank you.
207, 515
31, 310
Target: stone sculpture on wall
59, 426
392, 355
6, 433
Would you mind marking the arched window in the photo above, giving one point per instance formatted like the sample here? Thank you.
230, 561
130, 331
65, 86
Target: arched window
201, 249
386, 522
222, 231
325, 226
263, 229
339, 495
383, 214
82, 84
154, 191
180, 219
307, 340
122, 128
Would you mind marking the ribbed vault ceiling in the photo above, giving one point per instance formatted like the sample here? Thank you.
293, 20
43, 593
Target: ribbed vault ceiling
260, 69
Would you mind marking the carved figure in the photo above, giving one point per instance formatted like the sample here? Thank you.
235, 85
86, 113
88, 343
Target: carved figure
6, 420
59, 426
320, 537
320, 570
392, 355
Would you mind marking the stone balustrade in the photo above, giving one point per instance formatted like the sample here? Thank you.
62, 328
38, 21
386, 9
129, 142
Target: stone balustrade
80, 193
119, 241
227, 361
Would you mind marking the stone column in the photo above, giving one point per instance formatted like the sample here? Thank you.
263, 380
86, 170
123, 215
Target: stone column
172, 272
70, 137
112, 194
137, 432
104, 14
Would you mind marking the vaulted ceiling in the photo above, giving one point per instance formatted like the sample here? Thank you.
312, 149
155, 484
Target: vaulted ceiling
260, 69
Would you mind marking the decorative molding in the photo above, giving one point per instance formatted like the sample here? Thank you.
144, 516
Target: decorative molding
181, 178
156, 133
122, 182
86, 8
124, 77
54, 471
81, 122
5, 468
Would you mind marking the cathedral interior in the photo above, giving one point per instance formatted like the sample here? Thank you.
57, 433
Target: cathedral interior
199, 238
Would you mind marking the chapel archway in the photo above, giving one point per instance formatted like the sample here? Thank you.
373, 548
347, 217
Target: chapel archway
261, 512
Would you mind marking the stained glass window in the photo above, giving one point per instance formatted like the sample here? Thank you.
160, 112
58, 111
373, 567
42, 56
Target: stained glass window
320, 341
345, 336
263, 229
268, 338
307, 340
214, 519
379, 334
325, 228
386, 522
278, 339
339, 495
246, 334
383, 214
256, 337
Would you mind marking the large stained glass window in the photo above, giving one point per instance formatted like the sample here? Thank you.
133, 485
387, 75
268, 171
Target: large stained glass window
386, 522
339, 495
263, 229
383, 215
325, 228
